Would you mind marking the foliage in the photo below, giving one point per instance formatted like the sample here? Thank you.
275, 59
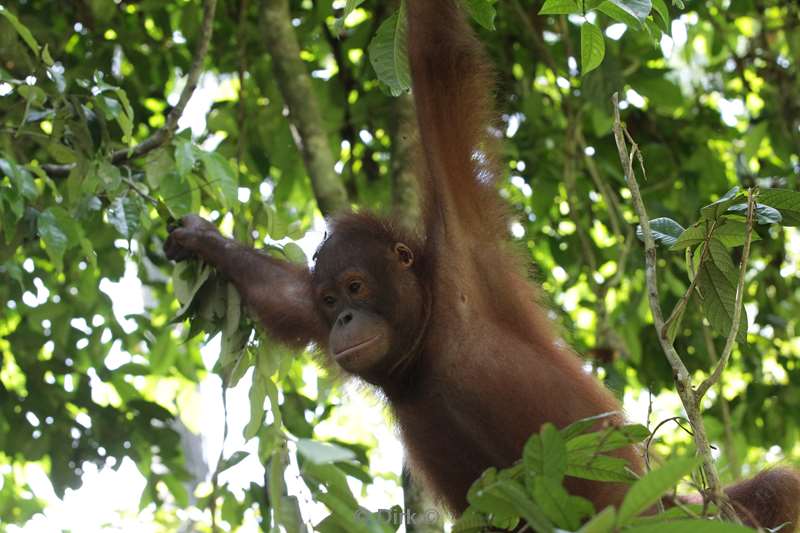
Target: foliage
99, 361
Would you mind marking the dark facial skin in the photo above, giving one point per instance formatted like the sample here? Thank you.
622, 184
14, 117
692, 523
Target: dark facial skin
371, 298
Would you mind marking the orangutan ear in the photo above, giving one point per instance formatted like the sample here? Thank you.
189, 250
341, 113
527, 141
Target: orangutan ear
404, 255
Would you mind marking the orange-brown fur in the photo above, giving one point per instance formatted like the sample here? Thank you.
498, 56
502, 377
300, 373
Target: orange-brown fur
471, 364
493, 369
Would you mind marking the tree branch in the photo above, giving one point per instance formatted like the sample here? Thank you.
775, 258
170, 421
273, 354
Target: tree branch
163, 135
305, 117
680, 372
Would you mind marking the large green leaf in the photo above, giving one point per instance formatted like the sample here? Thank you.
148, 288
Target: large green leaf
482, 11
664, 230
560, 7
593, 47
221, 177
323, 452
647, 490
719, 300
387, 53
785, 201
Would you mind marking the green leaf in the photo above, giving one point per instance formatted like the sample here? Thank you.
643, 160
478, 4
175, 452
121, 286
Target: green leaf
583, 425
482, 11
157, 165
564, 510
719, 300
387, 53
560, 7
660, 7
721, 257
602, 522
323, 452
733, 233
647, 490
513, 493
764, 214
124, 214
177, 193
24, 33
716, 209
184, 156
221, 176
693, 235
606, 440
33, 95
625, 10
593, 47
600, 468
545, 454
109, 175
257, 395
59, 232
664, 230
784, 200
21, 179
294, 253
697, 524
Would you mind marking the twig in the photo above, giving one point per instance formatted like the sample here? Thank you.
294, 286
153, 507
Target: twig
730, 342
727, 424
681, 374
165, 133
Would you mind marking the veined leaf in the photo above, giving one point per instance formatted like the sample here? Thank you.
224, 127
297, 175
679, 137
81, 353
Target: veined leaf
124, 214
482, 11
660, 7
646, 491
565, 511
716, 209
26, 35
323, 452
602, 522
695, 524
636, 9
784, 200
560, 7
719, 300
221, 176
764, 214
387, 53
593, 47
664, 230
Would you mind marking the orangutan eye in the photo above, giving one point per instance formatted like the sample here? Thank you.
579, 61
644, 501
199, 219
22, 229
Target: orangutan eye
354, 287
330, 301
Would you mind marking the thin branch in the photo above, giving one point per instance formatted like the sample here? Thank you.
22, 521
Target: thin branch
163, 135
681, 374
730, 342
727, 424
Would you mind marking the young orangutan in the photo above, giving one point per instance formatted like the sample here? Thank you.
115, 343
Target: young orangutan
447, 326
